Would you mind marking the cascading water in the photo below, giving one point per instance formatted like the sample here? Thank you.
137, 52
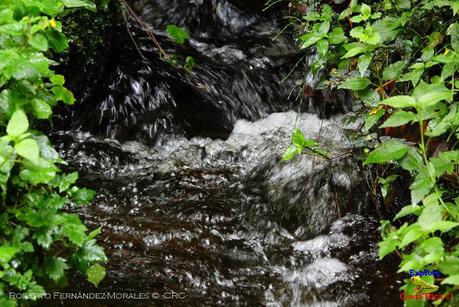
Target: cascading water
193, 197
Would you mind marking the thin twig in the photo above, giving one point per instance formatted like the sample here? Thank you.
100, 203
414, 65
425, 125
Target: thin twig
132, 37
150, 34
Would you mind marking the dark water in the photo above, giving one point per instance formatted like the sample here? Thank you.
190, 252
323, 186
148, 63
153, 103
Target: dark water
192, 196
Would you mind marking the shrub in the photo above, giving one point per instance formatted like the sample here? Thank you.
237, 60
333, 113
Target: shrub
38, 241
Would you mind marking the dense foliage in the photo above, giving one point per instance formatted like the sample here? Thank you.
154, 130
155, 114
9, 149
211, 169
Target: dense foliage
38, 240
400, 59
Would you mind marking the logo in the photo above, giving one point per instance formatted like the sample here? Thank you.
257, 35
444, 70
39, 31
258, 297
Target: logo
422, 286
424, 290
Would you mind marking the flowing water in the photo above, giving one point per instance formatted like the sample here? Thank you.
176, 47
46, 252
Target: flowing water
193, 197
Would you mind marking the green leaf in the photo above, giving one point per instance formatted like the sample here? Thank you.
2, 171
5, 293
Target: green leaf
189, 63
28, 149
354, 49
386, 247
322, 47
7, 252
39, 41
55, 268
449, 266
414, 76
421, 186
63, 94
399, 118
94, 233
356, 83
95, 274
393, 71
57, 80
407, 210
298, 137
18, 124
451, 280
412, 161
387, 151
365, 11
75, 233
87, 4
309, 40
414, 233
44, 237
290, 153
179, 35
430, 215
67, 180
337, 36
82, 196
41, 109
372, 118
364, 63
443, 226
57, 40
399, 101
429, 94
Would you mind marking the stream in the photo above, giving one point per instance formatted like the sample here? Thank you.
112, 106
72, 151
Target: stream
194, 200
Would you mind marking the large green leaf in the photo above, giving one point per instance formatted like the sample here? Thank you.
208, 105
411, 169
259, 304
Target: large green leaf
430, 215
356, 83
399, 101
399, 118
39, 41
393, 71
28, 149
387, 151
429, 94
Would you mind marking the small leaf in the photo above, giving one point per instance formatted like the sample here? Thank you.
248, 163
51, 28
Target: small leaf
322, 47
7, 252
75, 233
39, 41
41, 109
18, 124
386, 247
392, 71
372, 118
96, 274
179, 35
364, 63
55, 268
290, 153
410, 209
57, 80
